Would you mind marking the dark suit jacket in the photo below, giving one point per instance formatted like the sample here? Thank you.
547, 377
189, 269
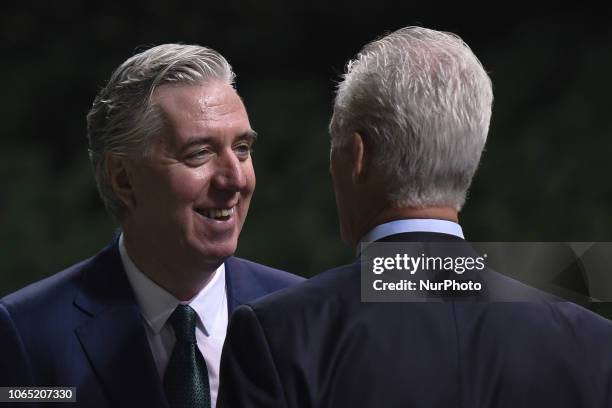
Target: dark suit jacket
317, 345
82, 327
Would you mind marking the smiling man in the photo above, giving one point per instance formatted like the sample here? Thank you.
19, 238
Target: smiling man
143, 322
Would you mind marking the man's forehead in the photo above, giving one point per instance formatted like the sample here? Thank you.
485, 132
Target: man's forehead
200, 114
196, 98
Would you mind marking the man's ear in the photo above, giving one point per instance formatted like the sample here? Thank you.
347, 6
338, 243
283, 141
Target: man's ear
358, 157
119, 171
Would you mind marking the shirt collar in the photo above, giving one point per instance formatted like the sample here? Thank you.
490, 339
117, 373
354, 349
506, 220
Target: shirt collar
411, 225
157, 304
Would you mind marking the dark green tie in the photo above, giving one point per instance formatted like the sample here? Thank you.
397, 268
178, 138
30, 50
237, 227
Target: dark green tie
186, 378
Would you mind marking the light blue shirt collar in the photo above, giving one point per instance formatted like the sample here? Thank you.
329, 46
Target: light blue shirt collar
412, 225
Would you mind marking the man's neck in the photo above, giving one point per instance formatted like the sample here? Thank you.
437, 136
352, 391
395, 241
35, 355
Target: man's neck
175, 276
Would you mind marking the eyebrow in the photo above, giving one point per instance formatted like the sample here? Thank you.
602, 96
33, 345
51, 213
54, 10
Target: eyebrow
250, 135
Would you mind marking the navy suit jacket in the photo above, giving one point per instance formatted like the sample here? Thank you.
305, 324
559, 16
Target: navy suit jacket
82, 327
317, 345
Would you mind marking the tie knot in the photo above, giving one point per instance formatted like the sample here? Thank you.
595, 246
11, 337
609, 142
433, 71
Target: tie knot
183, 320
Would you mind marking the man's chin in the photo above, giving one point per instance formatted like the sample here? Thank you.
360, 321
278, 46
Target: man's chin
217, 253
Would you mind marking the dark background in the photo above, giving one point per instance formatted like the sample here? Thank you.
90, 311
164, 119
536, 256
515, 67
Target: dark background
545, 175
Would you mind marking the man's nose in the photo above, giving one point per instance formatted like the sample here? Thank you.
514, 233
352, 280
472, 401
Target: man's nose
229, 174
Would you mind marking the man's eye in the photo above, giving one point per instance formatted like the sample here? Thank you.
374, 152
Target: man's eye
243, 150
198, 156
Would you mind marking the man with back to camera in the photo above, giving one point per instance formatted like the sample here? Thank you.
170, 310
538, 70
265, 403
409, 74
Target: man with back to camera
170, 144
410, 121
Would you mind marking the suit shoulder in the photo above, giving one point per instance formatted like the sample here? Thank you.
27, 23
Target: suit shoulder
271, 276
43, 294
563, 332
582, 320
559, 330
562, 315
338, 285
43, 311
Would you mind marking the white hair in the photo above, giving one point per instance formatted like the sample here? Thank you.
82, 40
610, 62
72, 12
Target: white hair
422, 102
124, 120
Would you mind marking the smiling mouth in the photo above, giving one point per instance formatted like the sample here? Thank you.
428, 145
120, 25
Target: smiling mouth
217, 214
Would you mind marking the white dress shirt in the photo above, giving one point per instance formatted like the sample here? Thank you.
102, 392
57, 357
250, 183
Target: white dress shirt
411, 225
156, 306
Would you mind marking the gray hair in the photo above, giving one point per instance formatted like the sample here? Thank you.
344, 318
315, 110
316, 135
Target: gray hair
422, 102
124, 120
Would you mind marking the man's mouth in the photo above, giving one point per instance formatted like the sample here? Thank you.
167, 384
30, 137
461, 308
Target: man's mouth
218, 214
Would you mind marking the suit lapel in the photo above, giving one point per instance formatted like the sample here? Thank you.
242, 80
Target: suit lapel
113, 338
117, 347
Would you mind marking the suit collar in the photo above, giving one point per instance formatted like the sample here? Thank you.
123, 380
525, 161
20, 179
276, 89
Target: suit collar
242, 284
104, 284
114, 339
